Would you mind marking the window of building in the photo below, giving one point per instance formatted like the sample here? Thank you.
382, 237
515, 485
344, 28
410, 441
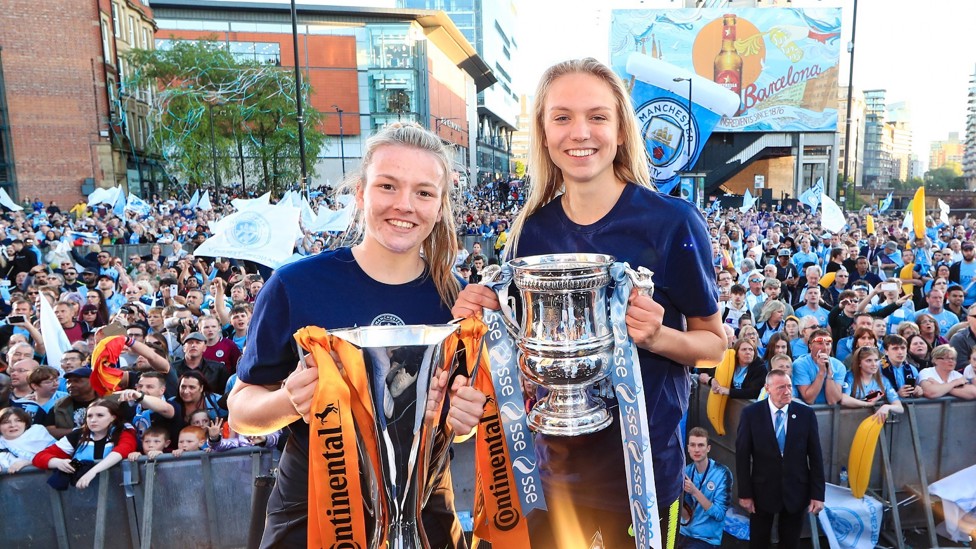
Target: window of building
106, 44
502, 34
132, 31
115, 20
145, 38
463, 5
263, 52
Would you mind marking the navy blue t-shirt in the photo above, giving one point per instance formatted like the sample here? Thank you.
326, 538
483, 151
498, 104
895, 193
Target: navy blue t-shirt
668, 236
331, 291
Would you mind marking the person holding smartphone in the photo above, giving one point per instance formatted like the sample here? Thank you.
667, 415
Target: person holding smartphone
865, 387
902, 374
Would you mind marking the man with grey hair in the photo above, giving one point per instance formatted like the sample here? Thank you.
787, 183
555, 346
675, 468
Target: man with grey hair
799, 345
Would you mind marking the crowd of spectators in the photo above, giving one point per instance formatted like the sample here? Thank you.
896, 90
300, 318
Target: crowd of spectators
858, 319
861, 320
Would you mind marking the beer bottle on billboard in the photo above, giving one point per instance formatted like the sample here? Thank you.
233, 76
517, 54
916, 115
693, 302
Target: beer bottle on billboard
728, 62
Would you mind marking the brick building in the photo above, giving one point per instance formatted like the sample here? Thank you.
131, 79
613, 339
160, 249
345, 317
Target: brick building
53, 105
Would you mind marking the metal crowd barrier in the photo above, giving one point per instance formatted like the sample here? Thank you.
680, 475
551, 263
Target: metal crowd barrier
931, 440
198, 500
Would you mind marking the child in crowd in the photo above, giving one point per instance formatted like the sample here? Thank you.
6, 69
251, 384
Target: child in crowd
192, 439
155, 440
103, 441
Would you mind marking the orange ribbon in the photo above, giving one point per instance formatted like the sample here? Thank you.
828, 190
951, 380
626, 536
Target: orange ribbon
498, 515
341, 402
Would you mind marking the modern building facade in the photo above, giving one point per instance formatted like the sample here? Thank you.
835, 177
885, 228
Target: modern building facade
878, 171
520, 138
490, 26
855, 159
367, 67
899, 118
947, 154
969, 156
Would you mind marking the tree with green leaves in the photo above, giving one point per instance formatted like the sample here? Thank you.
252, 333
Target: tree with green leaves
208, 100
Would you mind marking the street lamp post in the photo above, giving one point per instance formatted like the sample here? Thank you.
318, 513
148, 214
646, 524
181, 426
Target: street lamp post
298, 99
213, 151
342, 144
690, 152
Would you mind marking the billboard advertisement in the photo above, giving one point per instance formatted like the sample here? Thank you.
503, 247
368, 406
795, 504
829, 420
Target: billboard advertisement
781, 62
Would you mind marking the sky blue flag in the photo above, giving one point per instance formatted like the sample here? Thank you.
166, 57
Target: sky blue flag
119, 209
138, 205
811, 196
885, 204
674, 137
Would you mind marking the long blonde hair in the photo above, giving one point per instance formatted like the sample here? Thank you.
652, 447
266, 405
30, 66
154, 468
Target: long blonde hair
630, 163
440, 246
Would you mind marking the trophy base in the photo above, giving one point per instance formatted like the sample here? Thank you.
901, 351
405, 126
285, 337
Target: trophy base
567, 412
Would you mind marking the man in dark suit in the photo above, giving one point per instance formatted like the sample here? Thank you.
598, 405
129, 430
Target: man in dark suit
779, 464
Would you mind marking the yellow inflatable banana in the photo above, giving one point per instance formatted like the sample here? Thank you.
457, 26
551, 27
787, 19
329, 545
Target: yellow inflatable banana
717, 402
907, 273
862, 454
870, 225
827, 279
918, 212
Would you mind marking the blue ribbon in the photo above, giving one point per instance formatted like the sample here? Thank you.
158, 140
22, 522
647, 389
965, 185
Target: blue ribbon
625, 374
503, 357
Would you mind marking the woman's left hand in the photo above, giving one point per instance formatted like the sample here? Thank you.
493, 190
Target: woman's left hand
644, 317
85, 480
882, 413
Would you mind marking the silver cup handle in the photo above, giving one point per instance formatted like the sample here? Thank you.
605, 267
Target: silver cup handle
489, 275
641, 278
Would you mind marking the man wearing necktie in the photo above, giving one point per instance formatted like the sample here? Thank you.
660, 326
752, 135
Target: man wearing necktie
779, 464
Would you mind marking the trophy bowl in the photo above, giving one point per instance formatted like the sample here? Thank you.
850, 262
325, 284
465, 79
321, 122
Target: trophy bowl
564, 338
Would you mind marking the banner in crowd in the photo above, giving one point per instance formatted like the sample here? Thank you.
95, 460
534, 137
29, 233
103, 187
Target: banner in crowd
262, 233
958, 493
674, 131
782, 63
849, 522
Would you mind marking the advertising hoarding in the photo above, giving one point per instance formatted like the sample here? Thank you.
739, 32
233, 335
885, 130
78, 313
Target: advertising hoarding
782, 62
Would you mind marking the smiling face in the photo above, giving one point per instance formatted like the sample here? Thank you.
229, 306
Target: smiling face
401, 198
581, 128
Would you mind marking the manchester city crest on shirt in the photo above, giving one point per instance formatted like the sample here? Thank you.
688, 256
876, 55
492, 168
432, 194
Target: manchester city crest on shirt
250, 230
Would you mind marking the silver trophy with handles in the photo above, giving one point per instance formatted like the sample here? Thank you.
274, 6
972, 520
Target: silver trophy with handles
564, 335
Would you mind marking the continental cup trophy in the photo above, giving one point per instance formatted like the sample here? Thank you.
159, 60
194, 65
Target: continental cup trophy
564, 335
375, 401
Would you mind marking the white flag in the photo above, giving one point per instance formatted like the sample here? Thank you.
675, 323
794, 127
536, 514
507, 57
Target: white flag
831, 218
8, 202
194, 200
747, 201
909, 221
329, 220
958, 493
263, 234
138, 205
849, 522
204, 203
308, 215
943, 212
242, 204
55, 340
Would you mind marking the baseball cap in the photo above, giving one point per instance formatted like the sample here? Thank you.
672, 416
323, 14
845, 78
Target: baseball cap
195, 335
783, 252
84, 371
